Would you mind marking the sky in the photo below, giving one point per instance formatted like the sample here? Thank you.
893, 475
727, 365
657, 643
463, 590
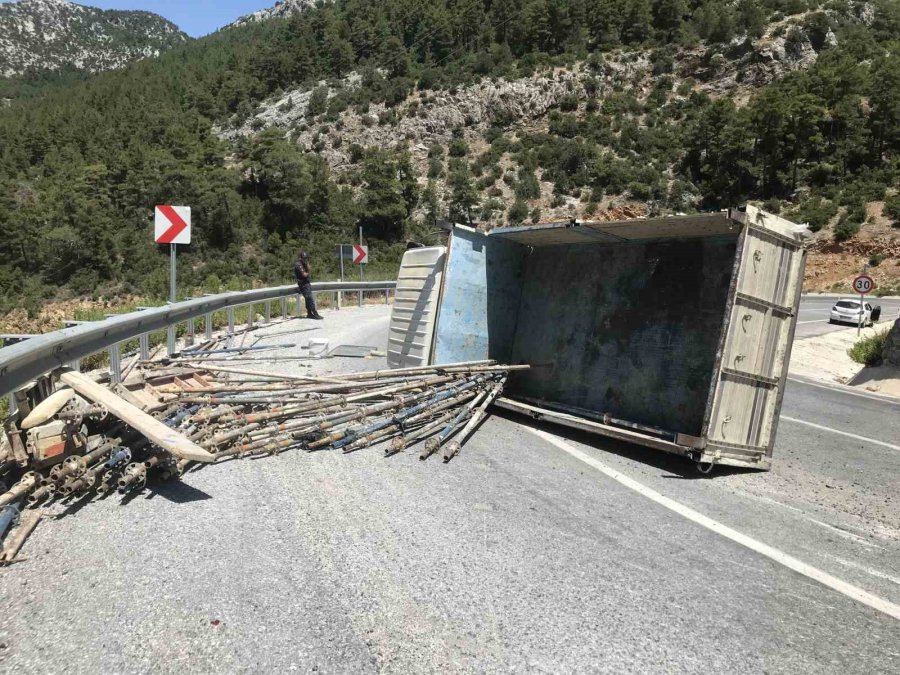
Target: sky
194, 17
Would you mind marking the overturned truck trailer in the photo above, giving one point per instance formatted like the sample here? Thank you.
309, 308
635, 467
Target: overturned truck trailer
673, 333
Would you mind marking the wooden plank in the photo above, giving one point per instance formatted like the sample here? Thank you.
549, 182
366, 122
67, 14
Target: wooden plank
153, 429
47, 408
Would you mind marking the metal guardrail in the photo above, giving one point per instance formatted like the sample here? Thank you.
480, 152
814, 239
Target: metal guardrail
20, 363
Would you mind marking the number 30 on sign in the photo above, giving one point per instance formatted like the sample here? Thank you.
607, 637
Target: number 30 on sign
863, 284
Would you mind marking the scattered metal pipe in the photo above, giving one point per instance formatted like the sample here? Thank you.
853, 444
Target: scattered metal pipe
14, 544
27, 483
453, 447
43, 492
434, 443
8, 515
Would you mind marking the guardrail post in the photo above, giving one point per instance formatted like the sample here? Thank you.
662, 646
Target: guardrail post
190, 331
75, 365
144, 340
284, 309
207, 325
230, 311
170, 340
299, 315
13, 407
250, 316
115, 363
387, 296
340, 298
360, 297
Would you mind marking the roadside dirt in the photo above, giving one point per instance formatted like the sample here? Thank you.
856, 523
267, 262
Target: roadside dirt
825, 358
53, 315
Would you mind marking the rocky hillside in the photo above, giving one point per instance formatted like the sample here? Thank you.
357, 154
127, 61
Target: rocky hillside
283, 9
557, 101
51, 34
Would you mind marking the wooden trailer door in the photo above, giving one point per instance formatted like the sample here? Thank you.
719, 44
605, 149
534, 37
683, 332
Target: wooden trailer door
752, 367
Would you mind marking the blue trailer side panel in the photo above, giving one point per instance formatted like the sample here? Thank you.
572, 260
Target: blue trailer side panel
480, 301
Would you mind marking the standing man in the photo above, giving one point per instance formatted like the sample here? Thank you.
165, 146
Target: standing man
303, 277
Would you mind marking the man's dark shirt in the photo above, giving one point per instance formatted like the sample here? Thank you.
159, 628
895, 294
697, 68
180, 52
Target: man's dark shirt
301, 272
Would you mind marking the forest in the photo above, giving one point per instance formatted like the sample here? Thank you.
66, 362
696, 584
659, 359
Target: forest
83, 160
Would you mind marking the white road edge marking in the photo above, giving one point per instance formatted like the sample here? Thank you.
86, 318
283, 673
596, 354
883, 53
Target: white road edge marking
792, 563
846, 389
800, 323
841, 433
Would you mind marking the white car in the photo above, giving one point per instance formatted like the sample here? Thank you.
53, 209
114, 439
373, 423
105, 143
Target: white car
848, 310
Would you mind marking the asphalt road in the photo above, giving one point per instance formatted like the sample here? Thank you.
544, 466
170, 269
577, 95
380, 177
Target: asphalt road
517, 556
815, 310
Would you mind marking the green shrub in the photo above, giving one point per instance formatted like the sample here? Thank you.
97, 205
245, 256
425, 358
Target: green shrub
518, 212
356, 153
868, 350
435, 168
816, 212
876, 259
892, 209
318, 100
527, 187
458, 148
845, 229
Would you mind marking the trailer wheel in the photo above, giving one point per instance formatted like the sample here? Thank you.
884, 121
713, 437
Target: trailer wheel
705, 467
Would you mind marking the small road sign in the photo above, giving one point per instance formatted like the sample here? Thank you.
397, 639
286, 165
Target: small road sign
863, 284
360, 254
172, 224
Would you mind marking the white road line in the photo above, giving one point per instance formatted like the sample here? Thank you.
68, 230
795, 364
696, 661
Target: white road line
841, 433
867, 570
801, 323
844, 389
839, 585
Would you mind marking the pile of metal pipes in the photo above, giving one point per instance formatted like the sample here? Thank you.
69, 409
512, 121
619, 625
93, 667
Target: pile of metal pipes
241, 417
232, 413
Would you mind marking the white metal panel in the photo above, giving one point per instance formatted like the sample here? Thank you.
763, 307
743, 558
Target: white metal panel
760, 328
415, 307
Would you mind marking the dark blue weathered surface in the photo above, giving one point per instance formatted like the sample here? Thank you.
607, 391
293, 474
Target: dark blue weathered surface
630, 329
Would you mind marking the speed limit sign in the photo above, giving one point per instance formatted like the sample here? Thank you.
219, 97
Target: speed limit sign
863, 284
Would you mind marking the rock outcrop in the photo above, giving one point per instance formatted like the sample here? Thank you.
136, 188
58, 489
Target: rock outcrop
52, 34
283, 9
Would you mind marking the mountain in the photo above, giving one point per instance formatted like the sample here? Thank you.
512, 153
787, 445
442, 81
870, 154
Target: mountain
390, 114
37, 35
283, 9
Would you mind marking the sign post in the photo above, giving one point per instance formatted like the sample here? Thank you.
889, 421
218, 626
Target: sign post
862, 284
361, 275
172, 226
359, 255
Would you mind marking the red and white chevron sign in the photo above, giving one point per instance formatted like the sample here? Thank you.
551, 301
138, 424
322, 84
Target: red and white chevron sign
360, 254
172, 224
